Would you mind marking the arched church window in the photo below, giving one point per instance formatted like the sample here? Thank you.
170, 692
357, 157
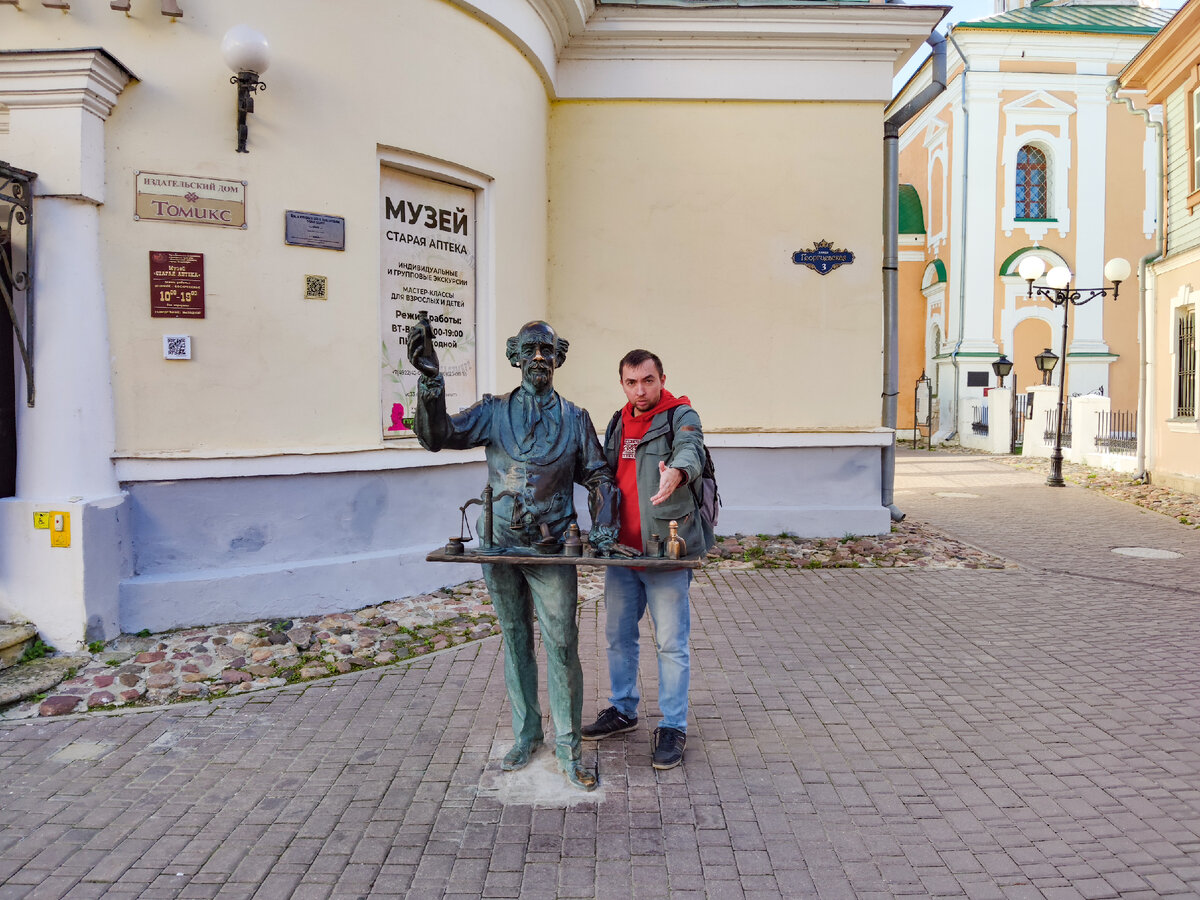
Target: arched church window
1033, 189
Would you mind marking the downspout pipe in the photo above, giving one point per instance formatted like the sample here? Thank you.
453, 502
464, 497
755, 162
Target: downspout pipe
962, 242
891, 261
1143, 435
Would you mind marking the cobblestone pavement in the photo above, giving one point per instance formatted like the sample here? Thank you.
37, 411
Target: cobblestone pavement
1031, 731
204, 663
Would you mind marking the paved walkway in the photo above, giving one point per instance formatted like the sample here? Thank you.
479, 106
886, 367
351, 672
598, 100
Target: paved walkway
1029, 732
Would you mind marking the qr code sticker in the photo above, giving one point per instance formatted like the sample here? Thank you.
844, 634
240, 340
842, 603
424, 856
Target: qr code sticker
316, 287
177, 346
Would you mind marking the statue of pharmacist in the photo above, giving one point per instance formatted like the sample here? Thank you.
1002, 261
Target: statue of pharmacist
538, 445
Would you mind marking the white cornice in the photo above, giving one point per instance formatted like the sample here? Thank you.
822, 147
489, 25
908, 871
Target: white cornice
86, 79
803, 52
985, 49
747, 32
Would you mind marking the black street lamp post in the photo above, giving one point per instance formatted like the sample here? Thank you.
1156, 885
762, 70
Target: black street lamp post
1060, 293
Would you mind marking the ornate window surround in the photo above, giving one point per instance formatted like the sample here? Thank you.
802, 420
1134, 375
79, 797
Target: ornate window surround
1044, 121
937, 145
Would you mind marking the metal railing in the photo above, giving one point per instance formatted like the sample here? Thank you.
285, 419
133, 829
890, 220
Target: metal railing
1020, 409
1051, 415
1185, 372
1117, 432
979, 419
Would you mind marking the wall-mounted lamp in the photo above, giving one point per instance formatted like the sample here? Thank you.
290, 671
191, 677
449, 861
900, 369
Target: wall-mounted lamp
247, 53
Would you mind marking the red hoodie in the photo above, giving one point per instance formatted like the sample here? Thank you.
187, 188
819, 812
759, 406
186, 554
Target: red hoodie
633, 429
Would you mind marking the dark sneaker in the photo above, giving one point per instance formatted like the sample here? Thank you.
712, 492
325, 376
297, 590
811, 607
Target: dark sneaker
668, 748
608, 723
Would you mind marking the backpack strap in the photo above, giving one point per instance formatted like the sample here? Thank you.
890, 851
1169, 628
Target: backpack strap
612, 426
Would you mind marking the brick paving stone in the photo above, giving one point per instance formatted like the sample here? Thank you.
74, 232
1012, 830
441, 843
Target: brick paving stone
1025, 731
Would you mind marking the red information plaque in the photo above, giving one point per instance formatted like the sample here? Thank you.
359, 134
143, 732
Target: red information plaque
176, 285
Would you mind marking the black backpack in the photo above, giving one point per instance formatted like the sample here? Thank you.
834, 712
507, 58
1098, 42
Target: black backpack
704, 489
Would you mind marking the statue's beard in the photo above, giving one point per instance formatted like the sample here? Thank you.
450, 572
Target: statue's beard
539, 376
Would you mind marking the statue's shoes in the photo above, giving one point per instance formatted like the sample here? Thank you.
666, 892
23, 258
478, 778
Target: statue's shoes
518, 757
579, 775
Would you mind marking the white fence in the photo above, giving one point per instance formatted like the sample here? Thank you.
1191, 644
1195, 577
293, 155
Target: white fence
1098, 435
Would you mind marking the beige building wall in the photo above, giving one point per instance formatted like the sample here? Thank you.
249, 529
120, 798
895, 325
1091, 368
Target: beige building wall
272, 372
1176, 442
678, 242
1128, 236
253, 481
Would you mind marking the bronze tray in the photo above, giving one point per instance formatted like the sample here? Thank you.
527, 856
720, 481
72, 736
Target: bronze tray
645, 562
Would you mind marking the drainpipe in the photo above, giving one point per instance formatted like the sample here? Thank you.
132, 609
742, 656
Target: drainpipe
962, 243
891, 260
1143, 436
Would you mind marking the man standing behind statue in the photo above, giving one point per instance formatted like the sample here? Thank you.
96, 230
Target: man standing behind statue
538, 446
656, 446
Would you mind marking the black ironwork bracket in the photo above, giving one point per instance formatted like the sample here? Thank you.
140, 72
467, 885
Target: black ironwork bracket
16, 193
247, 86
1073, 296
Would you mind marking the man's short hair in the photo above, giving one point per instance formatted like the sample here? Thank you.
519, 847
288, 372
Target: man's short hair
635, 358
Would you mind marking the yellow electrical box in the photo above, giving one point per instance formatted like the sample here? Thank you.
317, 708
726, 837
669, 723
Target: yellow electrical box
60, 529
41, 520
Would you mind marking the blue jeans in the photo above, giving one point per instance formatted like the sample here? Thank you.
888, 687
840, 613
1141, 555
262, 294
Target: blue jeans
627, 595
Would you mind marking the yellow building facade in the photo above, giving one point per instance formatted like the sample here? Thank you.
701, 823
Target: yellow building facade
1025, 154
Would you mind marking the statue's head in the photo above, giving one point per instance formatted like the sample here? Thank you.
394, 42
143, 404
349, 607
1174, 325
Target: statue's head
537, 351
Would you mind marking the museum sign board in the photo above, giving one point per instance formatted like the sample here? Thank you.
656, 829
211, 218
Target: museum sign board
427, 262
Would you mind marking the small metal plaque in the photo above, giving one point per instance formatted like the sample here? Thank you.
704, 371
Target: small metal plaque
303, 229
176, 285
822, 257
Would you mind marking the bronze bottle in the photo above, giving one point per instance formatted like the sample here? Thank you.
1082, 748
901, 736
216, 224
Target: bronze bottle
676, 546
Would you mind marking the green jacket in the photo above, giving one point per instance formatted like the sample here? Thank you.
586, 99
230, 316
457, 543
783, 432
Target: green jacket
686, 452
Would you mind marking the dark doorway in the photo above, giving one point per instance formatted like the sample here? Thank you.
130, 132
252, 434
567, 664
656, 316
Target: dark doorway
8, 371
16, 267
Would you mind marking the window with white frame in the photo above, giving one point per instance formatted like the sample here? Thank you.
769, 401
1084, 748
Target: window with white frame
1196, 140
1185, 363
1032, 189
1036, 155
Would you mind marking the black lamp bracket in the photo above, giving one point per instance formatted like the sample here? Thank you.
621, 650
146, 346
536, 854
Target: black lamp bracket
248, 85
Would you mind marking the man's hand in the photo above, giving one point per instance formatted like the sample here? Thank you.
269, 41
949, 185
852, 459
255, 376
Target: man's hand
668, 480
421, 352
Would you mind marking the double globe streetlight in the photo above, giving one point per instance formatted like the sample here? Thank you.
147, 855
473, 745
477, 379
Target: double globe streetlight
1059, 292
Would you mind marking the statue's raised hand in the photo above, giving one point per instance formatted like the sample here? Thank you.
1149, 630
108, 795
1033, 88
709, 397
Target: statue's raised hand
421, 352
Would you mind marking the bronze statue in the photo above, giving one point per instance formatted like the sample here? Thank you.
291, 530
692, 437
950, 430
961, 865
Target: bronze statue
538, 445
